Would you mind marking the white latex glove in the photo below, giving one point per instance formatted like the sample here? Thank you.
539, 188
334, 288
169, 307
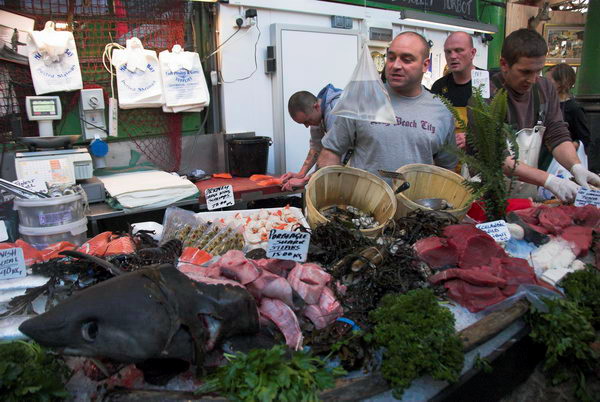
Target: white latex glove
584, 177
565, 190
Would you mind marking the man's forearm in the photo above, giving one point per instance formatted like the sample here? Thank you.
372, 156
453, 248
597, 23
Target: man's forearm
310, 161
525, 173
566, 154
328, 158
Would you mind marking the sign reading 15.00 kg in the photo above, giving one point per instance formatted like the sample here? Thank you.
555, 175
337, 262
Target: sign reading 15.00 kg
458, 8
287, 245
219, 197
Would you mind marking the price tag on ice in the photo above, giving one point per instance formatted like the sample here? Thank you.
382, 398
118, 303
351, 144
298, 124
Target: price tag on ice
481, 79
219, 197
33, 184
587, 197
12, 263
287, 245
497, 229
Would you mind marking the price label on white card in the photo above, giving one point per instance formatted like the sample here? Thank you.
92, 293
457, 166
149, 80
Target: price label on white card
219, 197
497, 229
33, 184
12, 263
287, 245
481, 79
587, 196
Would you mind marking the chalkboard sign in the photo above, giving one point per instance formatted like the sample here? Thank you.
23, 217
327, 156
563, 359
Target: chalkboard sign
457, 8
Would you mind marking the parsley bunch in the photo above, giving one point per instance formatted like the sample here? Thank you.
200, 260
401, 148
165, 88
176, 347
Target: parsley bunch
583, 287
418, 338
566, 332
30, 373
269, 375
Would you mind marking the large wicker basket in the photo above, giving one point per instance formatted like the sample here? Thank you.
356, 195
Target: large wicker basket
429, 181
338, 185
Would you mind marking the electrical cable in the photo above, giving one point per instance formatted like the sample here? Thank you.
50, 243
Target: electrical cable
221, 45
255, 62
93, 125
107, 57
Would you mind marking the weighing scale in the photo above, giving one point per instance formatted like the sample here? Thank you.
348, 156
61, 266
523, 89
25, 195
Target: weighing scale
56, 166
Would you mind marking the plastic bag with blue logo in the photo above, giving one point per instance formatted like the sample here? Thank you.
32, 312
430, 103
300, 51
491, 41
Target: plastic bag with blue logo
138, 76
183, 81
365, 97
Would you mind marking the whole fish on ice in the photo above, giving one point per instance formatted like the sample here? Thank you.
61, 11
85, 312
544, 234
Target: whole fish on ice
147, 314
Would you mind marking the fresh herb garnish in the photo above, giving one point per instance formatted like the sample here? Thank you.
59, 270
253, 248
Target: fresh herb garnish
418, 338
269, 375
28, 373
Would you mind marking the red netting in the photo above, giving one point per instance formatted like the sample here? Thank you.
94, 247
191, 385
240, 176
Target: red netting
158, 24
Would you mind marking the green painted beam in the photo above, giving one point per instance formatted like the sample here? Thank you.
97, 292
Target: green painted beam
490, 12
588, 83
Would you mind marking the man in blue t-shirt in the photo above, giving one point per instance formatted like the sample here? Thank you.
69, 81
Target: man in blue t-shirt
313, 112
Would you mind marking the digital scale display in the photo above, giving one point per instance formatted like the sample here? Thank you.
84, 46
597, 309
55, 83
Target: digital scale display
43, 107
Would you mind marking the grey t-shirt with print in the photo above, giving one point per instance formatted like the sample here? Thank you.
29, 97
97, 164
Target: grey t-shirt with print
423, 128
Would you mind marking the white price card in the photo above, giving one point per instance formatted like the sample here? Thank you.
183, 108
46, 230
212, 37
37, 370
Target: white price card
219, 197
3, 232
587, 196
12, 263
481, 79
287, 245
497, 229
34, 184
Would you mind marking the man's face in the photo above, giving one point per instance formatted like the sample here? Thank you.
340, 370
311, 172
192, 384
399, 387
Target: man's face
521, 76
459, 53
313, 118
405, 64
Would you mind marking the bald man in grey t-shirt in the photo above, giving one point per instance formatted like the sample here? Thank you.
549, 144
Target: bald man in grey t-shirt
424, 127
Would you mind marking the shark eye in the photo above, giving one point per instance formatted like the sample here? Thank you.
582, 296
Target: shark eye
89, 331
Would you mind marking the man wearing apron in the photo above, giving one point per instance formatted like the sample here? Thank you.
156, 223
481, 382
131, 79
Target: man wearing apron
534, 112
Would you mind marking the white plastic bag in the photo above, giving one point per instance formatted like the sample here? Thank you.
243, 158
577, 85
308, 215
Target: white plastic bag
138, 76
53, 60
184, 85
365, 97
558, 170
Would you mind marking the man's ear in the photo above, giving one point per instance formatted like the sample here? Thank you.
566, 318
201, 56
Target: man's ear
426, 64
504, 65
473, 52
317, 106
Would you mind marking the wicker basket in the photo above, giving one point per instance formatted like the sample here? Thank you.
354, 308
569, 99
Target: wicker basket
337, 185
429, 181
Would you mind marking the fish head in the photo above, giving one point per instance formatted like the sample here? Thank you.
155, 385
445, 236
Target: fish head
123, 319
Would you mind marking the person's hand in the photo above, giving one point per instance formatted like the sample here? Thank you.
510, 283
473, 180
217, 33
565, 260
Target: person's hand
565, 190
584, 177
461, 140
293, 183
290, 175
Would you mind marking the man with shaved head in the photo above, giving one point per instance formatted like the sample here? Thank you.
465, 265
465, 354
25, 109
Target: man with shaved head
456, 85
423, 125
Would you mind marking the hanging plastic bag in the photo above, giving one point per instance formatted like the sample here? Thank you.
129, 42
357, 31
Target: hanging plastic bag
365, 97
184, 85
53, 60
558, 170
138, 76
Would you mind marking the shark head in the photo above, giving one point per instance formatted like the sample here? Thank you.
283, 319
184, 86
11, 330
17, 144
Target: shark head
123, 318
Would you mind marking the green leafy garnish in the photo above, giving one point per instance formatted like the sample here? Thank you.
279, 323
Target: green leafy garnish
269, 375
491, 140
30, 373
418, 338
583, 287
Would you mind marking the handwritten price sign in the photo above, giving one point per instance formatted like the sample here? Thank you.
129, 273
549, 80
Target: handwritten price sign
497, 229
286, 245
219, 197
12, 263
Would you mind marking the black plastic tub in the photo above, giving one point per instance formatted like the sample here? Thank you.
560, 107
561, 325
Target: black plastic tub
248, 156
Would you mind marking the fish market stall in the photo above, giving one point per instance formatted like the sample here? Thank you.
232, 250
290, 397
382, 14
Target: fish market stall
201, 298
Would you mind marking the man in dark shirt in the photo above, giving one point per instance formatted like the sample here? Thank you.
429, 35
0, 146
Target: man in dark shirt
456, 85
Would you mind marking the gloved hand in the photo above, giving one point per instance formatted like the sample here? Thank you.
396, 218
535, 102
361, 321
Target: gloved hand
294, 183
291, 175
584, 177
565, 190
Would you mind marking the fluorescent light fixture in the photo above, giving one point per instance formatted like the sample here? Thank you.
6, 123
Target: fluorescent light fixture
447, 22
206, 1
61, 25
